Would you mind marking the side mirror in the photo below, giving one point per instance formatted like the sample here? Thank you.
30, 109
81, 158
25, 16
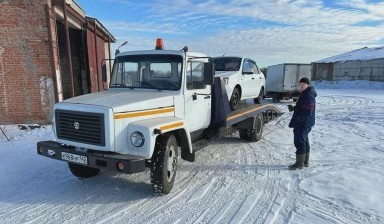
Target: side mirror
118, 49
209, 72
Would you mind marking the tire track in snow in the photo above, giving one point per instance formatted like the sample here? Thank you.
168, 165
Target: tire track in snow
268, 185
337, 100
179, 193
61, 203
322, 209
245, 208
193, 195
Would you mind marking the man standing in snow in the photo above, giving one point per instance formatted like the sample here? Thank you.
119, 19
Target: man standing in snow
302, 121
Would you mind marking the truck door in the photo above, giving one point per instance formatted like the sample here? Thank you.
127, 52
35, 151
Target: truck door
258, 78
197, 97
246, 83
251, 79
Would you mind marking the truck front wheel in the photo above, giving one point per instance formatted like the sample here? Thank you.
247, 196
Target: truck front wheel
83, 171
164, 163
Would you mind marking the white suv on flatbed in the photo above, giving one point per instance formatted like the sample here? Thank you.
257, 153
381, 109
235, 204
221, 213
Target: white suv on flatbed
243, 79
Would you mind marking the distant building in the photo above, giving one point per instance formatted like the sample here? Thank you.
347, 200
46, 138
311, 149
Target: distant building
49, 51
361, 64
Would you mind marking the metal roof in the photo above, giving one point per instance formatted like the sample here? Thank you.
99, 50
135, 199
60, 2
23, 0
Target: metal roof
102, 28
362, 54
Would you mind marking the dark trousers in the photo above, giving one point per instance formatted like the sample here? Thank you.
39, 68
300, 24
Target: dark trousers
301, 140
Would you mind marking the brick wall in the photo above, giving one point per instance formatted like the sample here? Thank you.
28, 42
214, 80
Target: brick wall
26, 84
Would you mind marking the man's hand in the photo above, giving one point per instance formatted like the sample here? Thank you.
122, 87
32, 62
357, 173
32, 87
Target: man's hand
290, 108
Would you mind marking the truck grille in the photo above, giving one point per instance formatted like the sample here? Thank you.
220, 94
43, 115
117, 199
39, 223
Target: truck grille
83, 127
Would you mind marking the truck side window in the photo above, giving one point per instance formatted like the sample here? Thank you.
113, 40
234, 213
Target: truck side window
195, 75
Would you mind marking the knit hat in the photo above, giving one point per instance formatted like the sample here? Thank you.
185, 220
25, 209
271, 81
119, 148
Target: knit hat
305, 80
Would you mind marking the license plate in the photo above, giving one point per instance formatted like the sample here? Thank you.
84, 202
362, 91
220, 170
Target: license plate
74, 158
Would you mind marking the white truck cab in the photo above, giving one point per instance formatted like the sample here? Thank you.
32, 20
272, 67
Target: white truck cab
158, 103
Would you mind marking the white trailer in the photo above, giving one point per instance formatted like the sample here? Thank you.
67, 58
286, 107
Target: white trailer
282, 80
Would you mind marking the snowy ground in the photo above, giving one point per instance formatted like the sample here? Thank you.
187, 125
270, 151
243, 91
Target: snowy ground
233, 181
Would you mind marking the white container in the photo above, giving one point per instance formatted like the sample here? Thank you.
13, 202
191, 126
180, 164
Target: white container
283, 79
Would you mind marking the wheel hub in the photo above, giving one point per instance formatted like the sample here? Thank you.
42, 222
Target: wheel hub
172, 163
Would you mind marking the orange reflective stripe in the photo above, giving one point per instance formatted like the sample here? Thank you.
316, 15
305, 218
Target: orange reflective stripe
170, 126
144, 113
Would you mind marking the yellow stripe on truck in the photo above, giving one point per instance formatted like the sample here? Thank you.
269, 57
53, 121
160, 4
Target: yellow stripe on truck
171, 126
144, 113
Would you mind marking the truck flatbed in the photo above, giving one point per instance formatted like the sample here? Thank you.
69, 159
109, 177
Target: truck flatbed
245, 111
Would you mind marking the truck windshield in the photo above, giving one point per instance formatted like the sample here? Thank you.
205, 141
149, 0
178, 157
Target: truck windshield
227, 63
161, 72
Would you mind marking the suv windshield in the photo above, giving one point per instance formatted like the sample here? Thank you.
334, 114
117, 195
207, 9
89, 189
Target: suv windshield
161, 72
227, 63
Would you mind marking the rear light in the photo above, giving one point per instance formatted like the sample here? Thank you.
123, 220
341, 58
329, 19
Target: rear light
159, 44
120, 166
41, 149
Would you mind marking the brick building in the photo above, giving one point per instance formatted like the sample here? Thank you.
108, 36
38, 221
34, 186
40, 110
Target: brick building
49, 51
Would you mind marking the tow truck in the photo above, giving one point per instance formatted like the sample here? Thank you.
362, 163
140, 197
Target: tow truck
161, 105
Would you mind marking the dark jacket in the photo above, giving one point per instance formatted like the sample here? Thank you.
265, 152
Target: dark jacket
304, 111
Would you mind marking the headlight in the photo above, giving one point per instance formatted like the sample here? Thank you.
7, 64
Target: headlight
137, 139
226, 80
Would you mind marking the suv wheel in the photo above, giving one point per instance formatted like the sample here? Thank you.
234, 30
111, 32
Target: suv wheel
259, 99
235, 99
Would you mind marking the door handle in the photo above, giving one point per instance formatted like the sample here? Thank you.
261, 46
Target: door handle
207, 97
253, 78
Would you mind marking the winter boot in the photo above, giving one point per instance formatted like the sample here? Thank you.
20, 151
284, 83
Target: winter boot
306, 160
299, 162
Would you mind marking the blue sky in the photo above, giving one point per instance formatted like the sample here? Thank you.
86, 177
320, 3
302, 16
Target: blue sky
271, 32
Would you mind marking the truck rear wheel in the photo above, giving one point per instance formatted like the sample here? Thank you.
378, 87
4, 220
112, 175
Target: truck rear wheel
164, 163
276, 98
253, 134
83, 171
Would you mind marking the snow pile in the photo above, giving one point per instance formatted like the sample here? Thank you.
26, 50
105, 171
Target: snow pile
18, 132
362, 54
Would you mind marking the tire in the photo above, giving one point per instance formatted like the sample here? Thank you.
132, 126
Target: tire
276, 98
235, 99
164, 163
253, 134
259, 99
83, 171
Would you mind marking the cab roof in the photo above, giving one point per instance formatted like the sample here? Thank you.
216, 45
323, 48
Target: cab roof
170, 52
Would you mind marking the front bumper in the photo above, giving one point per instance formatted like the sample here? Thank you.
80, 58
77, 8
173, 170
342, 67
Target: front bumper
99, 160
